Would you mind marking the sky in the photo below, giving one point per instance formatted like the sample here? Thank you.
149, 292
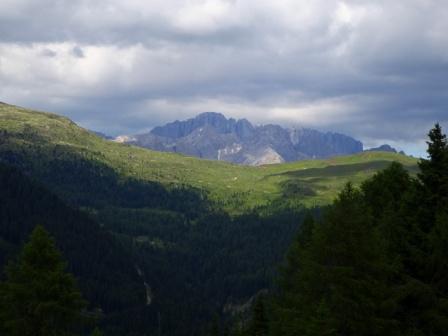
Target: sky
373, 69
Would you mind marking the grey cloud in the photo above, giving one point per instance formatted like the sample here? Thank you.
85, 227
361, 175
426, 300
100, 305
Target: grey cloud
49, 53
78, 52
385, 63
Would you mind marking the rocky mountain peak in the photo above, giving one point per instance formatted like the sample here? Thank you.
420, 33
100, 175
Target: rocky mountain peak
218, 121
211, 135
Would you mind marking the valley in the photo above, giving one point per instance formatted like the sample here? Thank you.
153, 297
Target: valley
191, 232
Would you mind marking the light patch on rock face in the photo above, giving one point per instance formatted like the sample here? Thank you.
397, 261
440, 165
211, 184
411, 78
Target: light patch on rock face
229, 150
124, 139
268, 156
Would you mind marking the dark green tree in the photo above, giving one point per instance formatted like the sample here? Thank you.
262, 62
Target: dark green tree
291, 314
340, 287
432, 216
214, 328
432, 197
392, 197
38, 297
389, 197
433, 171
291, 267
97, 332
351, 268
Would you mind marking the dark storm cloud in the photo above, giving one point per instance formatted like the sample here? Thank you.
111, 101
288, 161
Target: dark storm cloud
377, 70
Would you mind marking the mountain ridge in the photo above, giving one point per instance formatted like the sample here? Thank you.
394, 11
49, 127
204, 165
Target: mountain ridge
211, 135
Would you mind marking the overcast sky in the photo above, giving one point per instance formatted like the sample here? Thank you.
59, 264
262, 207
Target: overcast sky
373, 69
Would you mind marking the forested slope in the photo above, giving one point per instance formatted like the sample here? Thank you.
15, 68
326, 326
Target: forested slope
105, 270
205, 236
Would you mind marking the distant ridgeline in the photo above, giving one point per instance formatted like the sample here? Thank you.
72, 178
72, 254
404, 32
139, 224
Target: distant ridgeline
384, 148
211, 135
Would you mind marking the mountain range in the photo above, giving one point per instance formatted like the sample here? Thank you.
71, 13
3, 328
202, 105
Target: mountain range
211, 135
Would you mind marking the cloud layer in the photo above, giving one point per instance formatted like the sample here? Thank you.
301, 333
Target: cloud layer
377, 70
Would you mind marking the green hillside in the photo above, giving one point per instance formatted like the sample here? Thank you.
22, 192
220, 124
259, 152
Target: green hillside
205, 235
313, 182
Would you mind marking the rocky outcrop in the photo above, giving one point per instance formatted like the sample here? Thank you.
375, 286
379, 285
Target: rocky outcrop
383, 148
212, 136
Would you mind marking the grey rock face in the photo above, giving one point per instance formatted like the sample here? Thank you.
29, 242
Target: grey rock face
316, 144
219, 122
212, 136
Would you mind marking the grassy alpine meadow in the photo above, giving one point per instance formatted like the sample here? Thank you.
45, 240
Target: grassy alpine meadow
235, 188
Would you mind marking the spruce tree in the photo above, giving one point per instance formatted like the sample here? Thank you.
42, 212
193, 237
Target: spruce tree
351, 268
38, 297
389, 196
340, 287
291, 267
287, 306
433, 171
433, 219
